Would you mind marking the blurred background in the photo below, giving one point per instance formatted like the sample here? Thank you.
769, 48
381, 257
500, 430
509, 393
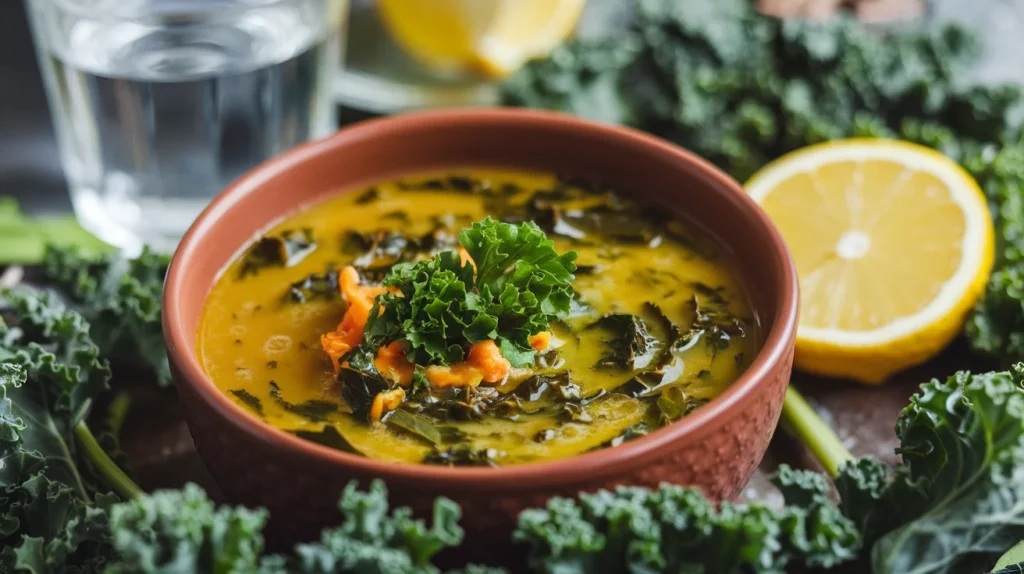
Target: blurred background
152, 134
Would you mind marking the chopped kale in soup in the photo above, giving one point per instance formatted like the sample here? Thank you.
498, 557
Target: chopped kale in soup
478, 318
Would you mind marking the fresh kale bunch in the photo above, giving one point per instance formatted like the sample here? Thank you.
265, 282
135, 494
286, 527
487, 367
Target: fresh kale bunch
957, 501
120, 297
516, 285
676, 529
175, 531
954, 505
57, 514
742, 89
51, 502
181, 531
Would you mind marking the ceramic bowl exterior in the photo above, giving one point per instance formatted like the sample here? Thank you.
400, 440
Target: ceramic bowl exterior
716, 448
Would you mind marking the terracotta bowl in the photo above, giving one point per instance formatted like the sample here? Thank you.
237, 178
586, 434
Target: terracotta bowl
717, 448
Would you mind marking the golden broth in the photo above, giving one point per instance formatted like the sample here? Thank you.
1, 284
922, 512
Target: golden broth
251, 335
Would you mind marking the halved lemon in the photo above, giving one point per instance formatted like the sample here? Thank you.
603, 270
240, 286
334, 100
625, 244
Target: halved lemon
493, 37
893, 244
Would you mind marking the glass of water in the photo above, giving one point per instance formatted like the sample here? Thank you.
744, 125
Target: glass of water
159, 104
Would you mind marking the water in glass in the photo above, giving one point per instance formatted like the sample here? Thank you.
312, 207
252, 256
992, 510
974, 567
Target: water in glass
158, 104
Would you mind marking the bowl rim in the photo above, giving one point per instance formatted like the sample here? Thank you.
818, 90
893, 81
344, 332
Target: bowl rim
778, 342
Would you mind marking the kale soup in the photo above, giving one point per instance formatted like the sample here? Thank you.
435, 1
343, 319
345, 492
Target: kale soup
477, 317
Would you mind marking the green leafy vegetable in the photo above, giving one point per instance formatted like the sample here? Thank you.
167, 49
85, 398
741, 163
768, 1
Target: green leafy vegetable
675, 529
250, 400
322, 286
373, 540
181, 531
329, 436
286, 250
742, 89
376, 252
463, 455
360, 383
50, 500
120, 298
632, 346
423, 427
519, 285
315, 410
957, 502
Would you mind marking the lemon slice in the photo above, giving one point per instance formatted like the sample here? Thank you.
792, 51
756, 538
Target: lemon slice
893, 244
494, 37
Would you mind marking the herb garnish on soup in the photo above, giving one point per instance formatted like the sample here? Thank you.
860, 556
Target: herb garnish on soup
478, 318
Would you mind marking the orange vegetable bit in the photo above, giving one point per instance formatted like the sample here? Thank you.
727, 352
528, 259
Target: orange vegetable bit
486, 356
465, 258
336, 346
359, 297
385, 402
484, 364
457, 375
541, 340
350, 331
392, 364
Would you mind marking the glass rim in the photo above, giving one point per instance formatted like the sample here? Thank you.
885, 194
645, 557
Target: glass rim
118, 10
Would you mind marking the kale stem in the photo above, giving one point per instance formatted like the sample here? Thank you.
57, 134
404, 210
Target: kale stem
800, 420
116, 478
117, 412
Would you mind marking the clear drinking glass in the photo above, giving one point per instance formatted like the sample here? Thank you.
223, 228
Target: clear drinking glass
158, 104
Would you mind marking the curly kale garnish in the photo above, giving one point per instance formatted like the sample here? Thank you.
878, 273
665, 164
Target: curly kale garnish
516, 285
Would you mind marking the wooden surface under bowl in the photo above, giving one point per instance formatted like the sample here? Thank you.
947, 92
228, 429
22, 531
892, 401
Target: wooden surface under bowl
717, 448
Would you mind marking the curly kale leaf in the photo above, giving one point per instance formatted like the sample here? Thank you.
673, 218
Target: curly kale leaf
51, 373
46, 526
996, 327
516, 287
372, 539
120, 297
181, 531
435, 312
957, 502
583, 79
526, 283
51, 517
676, 529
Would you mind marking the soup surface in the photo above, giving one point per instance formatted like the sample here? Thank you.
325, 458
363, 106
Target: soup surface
658, 325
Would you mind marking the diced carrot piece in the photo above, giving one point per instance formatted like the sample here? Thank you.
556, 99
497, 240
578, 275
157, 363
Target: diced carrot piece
392, 364
350, 331
541, 340
359, 297
385, 402
464, 256
336, 347
458, 375
486, 356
